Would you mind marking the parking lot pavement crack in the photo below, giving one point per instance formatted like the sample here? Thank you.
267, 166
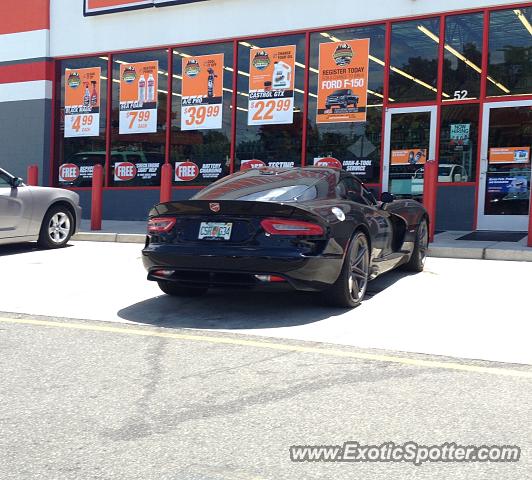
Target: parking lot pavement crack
144, 423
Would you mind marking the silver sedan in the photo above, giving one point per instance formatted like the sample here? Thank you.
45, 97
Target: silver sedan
49, 215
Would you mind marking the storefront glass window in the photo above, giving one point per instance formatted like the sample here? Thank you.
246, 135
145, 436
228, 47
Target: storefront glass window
458, 143
76, 156
273, 144
508, 176
357, 145
201, 150
463, 56
510, 52
138, 134
414, 61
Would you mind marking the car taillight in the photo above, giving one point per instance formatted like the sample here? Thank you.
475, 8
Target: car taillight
279, 226
160, 224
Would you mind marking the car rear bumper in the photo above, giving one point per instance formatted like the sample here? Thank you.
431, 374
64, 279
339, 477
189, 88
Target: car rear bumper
236, 268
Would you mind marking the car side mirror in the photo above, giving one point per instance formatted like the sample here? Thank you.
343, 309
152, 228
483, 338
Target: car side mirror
387, 197
457, 177
16, 182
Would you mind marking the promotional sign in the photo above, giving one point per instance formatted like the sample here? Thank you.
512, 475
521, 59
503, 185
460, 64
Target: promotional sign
327, 162
362, 168
343, 81
97, 7
202, 92
186, 171
459, 133
509, 155
138, 97
253, 163
271, 85
518, 184
415, 156
68, 172
82, 102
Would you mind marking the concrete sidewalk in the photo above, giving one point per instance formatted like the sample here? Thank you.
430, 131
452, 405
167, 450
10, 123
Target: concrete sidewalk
445, 245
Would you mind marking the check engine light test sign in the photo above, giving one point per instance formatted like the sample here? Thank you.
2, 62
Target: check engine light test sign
343, 81
82, 102
202, 93
271, 85
138, 97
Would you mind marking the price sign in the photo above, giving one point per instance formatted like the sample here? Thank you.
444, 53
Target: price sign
201, 117
82, 102
271, 111
138, 97
271, 85
202, 93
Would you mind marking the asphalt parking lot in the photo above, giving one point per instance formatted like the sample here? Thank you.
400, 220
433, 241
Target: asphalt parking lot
477, 309
101, 377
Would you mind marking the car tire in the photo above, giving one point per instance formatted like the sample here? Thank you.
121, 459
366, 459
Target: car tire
349, 289
177, 290
421, 245
57, 227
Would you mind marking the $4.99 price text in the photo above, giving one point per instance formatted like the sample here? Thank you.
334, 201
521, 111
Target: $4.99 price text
82, 123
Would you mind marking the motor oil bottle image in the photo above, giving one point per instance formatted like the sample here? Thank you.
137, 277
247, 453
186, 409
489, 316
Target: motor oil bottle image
282, 75
94, 95
210, 83
142, 89
87, 96
150, 96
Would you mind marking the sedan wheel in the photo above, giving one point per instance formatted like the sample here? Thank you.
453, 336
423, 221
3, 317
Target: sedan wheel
59, 227
350, 288
56, 228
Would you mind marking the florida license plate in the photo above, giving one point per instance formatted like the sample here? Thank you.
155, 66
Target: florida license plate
215, 231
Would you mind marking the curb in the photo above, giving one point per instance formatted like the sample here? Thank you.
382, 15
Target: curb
473, 253
109, 237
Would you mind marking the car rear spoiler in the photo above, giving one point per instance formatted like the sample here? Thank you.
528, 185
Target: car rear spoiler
232, 207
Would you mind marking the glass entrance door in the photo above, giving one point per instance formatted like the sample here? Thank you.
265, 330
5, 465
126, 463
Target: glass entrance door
504, 189
409, 141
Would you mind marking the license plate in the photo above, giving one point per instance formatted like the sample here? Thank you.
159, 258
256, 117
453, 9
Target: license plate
215, 231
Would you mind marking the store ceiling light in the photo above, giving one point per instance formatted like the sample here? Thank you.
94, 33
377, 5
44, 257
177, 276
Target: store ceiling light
521, 16
458, 55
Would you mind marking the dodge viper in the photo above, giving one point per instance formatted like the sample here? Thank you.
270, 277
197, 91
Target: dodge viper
312, 228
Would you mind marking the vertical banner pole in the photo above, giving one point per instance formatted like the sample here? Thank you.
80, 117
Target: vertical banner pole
166, 183
429, 193
33, 175
96, 197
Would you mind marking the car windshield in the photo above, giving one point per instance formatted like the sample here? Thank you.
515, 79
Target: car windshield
341, 92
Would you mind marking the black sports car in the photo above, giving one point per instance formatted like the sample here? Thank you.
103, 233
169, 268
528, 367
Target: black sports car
312, 228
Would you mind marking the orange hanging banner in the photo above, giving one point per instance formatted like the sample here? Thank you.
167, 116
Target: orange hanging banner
82, 102
343, 81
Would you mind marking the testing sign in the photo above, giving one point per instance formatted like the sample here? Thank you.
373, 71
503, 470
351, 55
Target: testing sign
202, 93
343, 81
82, 102
271, 85
138, 97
